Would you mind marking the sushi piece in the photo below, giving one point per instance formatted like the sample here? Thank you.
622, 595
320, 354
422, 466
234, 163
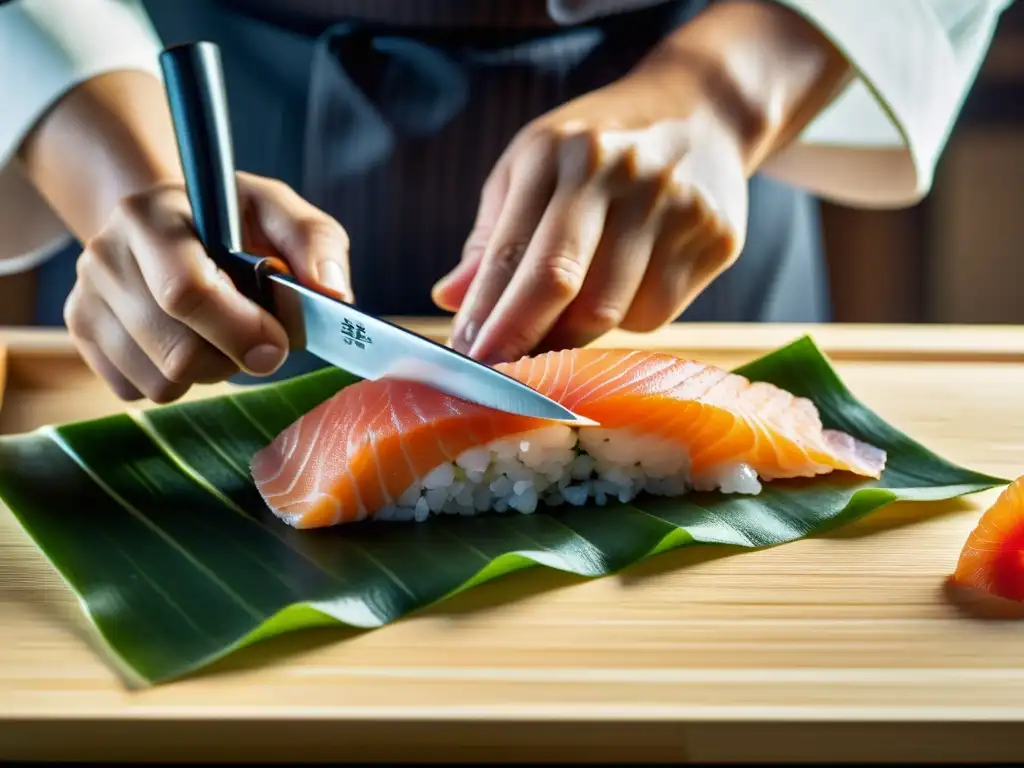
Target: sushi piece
992, 558
400, 450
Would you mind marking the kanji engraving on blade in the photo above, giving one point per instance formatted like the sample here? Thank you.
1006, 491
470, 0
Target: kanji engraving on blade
355, 333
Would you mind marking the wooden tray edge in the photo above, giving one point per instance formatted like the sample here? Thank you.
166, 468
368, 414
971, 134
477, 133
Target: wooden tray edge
904, 343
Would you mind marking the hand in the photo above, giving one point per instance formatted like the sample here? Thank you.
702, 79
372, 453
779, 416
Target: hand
152, 315
619, 208
615, 210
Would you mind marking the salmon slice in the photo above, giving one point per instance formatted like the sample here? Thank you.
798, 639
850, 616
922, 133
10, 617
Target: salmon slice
992, 558
402, 450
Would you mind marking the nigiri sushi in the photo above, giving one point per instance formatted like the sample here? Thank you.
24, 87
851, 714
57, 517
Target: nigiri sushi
992, 558
399, 450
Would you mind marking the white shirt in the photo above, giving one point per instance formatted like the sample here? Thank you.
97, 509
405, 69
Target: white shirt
876, 145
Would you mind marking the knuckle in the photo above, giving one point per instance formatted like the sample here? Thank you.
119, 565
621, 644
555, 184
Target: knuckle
164, 391
324, 228
682, 212
179, 356
539, 139
136, 207
601, 317
476, 243
74, 317
562, 276
267, 186
124, 389
159, 211
246, 179
718, 251
182, 296
647, 318
100, 251
579, 156
278, 186
506, 258
257, 182
628, 164
656, 306
727, 249
85, 263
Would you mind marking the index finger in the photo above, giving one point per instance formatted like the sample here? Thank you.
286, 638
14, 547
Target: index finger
530, 186
314, 245
186, 285
549, 277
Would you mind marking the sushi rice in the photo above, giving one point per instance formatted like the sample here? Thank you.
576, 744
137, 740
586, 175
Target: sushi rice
399, 450
558, 465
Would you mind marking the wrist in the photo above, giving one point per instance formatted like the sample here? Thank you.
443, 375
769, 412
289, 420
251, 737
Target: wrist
758, 67
109, 137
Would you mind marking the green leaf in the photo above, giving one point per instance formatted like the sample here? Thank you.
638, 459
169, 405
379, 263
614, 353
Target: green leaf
152, 519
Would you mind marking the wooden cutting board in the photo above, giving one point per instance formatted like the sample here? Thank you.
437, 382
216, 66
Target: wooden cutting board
839, 647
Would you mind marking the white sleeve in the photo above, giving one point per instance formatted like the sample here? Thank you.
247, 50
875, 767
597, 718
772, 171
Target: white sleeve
47, 47
878, 143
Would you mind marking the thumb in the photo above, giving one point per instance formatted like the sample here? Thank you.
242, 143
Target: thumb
281, 223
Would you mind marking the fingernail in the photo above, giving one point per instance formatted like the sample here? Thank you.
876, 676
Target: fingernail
490, 358
265, 359
331, 275
483, 351
463, 336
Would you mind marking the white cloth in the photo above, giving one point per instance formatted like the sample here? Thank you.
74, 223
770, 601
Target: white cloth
47, 47
876, 145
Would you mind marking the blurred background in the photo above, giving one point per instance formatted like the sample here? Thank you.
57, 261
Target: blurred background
957, 257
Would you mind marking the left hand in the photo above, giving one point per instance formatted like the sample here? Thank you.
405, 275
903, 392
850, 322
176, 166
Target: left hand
615, 210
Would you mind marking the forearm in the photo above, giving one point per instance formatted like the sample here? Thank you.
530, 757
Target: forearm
109, 137
764, 69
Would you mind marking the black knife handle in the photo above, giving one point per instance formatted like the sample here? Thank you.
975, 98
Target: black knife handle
198, 103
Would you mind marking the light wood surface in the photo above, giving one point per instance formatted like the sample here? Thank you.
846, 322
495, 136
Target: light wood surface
843, 646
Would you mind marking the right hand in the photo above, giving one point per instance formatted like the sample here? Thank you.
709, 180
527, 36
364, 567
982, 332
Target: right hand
152, 315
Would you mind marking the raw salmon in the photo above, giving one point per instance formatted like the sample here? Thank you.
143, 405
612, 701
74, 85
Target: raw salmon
992, 558
396, 449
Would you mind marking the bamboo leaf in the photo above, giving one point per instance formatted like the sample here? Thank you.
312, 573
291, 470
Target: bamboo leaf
152, 519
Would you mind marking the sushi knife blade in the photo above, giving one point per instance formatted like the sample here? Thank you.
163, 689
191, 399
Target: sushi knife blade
373, 348
331, 329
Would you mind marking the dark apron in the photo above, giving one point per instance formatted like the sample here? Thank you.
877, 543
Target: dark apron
392, 130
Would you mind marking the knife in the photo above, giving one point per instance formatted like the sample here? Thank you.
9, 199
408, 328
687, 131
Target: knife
331, 329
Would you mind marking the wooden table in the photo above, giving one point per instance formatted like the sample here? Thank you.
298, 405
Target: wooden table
841, 646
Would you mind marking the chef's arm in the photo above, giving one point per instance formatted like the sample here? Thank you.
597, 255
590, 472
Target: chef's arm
107, 138
83, 120
762, 67
851, 100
